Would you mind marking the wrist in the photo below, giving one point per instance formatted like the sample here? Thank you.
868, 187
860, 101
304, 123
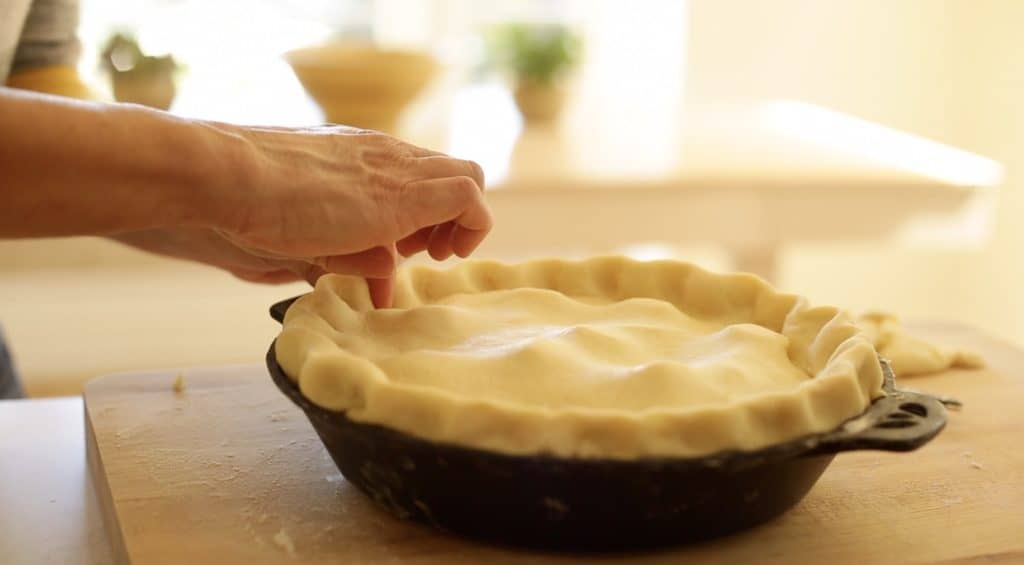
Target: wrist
169, 172
99, 169
222, 165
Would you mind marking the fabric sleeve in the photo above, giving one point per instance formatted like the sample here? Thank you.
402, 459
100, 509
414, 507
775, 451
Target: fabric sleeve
49, 36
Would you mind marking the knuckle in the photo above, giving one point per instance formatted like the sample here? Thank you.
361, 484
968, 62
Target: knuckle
464, 185
476, 171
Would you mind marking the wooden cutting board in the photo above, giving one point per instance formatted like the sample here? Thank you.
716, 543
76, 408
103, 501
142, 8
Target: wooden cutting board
228, 471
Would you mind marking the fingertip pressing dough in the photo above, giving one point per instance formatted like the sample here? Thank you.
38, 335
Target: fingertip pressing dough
602, 358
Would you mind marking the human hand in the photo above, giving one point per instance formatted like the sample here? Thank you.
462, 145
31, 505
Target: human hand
351, 201
210, 247
253, 200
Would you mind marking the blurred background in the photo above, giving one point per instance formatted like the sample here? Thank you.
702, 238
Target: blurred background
865, 153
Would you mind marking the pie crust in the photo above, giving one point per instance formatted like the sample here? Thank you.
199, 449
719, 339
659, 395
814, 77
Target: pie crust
602, 358
909, 355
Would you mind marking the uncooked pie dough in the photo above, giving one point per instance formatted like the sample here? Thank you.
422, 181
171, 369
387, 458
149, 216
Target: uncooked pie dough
606, 357
911, 356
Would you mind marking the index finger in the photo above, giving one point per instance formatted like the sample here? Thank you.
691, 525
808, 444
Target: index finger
441, 166
432, 202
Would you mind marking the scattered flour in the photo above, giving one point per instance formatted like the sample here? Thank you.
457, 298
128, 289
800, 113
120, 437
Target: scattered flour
284, 541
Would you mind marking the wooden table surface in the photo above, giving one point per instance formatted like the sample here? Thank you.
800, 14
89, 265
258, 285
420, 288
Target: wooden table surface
193, 483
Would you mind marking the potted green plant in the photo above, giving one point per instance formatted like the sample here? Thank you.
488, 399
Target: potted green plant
538, 57
136, 77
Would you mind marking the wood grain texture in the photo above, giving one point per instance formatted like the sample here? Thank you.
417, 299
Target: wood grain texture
228, 471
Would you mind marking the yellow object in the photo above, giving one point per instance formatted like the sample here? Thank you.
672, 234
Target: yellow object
539, 103
911, 356
179, 383
153, 89
607, 357
359, 85
57, 79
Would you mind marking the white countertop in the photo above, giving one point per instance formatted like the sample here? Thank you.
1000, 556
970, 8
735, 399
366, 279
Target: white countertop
48, 509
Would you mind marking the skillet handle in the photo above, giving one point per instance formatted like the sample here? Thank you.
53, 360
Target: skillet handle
900, 421
277, 311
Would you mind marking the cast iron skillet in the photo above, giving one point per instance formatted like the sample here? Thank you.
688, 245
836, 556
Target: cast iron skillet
547, 502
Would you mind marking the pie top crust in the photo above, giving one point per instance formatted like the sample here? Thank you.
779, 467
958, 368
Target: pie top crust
602, 358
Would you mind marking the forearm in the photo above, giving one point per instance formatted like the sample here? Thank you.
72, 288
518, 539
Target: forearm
71, 168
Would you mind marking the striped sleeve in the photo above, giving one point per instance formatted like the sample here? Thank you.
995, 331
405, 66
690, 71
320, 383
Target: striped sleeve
49, 36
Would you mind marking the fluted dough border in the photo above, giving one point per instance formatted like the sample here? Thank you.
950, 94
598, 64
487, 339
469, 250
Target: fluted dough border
823, 342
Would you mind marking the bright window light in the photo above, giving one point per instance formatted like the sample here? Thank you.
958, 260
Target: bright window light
861, 138
628, 112
484, 127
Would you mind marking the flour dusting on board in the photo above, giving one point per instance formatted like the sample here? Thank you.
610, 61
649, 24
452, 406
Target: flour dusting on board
284, 541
